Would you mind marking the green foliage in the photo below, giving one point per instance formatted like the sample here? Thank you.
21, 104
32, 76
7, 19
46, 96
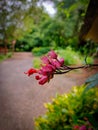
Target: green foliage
90, 48
53, 32
70, 56
70, 109
30, 40
39, 51
32, 27
4, 57
59, 31
11, 20
90, 60
36, 62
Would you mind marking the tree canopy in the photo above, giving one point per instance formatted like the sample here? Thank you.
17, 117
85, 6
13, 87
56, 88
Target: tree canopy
27, 22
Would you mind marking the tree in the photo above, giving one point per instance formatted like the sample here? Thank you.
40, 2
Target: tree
17, 18
89, 30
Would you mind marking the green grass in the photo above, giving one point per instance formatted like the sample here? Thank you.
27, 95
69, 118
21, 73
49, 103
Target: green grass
4, 57
36, 62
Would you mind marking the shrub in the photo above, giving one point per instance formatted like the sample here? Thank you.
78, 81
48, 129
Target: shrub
39, 51
72, 57
36, 62
9, 55
71, 111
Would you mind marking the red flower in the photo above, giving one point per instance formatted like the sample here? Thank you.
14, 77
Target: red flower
45, 74
46, 70
52, 54
76, 127
43, 80
50, 65
61, 60
55, 63
31, 71
45, 60
83, 127
37, 77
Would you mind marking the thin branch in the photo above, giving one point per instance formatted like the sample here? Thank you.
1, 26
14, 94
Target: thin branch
66, 69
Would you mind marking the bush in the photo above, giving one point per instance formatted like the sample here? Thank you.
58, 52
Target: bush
72, 57
71, 111
36, 62
39, 51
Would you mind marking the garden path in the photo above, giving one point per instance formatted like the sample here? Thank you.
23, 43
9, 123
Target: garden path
21, 98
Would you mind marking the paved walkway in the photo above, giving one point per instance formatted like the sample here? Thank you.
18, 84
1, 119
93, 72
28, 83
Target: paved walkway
21, 98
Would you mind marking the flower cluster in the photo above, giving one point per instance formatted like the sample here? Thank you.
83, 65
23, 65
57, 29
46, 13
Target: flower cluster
83, 127
86, 126
51, 64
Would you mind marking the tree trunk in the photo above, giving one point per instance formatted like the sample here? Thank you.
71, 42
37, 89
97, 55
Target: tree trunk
89, 30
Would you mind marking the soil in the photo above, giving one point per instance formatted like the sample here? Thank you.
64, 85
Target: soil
22, 98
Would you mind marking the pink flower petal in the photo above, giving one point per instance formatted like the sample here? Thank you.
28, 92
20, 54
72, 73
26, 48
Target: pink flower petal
83, 127
31, 71
61, 60
55, 63
45, 60
46, 70
52, 54
43, 80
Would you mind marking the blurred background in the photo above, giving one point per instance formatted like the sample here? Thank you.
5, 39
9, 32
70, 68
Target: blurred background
38, 26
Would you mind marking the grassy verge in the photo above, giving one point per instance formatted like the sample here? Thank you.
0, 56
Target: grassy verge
4, 57
70, 57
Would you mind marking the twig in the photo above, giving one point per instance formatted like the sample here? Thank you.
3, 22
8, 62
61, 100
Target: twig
66, 69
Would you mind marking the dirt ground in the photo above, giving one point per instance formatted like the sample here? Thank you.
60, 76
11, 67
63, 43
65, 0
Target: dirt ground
22, 98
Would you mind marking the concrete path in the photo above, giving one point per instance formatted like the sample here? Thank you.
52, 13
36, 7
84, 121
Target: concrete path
21, 98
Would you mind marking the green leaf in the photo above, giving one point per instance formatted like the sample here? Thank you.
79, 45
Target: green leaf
92, 82
92, 78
